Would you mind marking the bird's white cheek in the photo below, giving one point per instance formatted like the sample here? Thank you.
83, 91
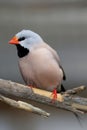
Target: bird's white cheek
24, 44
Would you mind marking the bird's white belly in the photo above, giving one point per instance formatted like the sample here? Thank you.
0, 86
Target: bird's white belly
41, 72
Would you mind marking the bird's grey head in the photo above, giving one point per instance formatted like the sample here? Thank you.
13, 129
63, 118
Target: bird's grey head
28, 39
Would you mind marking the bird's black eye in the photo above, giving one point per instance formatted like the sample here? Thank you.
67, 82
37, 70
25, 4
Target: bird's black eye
21, 39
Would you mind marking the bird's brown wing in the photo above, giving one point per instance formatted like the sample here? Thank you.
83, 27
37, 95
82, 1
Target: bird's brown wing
56, 58
64, 76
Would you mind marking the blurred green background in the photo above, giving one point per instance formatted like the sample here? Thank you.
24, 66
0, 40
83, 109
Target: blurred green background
63, 25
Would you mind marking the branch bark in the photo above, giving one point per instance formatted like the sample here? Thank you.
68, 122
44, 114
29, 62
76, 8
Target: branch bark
69, 100
23, 105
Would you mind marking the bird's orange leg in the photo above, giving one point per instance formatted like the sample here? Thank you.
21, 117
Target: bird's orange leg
31, 86
54, 95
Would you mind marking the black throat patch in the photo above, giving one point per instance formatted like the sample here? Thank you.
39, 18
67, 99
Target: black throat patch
21, 51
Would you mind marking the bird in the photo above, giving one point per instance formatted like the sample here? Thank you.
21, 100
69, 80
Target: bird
39, 63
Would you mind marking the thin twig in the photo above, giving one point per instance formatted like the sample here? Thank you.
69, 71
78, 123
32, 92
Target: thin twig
23, 105
75, 90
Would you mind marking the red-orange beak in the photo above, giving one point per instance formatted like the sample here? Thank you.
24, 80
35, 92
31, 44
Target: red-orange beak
14, 40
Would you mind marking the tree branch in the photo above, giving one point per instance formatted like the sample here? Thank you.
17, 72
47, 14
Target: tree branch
68, 100
23, 105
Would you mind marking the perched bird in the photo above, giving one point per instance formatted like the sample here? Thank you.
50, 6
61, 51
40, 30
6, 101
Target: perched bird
38, 62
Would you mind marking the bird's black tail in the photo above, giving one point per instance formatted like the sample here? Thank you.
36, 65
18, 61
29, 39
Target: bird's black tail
61, 89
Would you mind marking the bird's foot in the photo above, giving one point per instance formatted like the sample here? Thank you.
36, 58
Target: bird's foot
54, 95
31, 86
